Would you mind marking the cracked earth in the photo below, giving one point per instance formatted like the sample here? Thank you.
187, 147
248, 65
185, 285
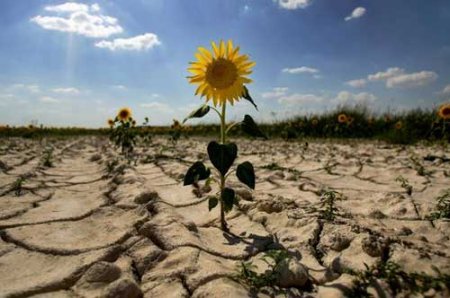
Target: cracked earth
77, 230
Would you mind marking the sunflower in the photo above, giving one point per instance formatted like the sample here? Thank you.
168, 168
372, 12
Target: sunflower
314, 122
110, 122
124, 114
342, 118
350, 120
220, 73
398, 125
444, 111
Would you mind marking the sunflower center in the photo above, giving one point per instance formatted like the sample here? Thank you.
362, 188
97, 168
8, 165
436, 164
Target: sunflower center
446, 111
221, 73
123, 114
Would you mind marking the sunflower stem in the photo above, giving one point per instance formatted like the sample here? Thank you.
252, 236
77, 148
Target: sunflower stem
223, 134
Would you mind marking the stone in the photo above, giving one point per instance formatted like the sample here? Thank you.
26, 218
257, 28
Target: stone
145, 197
123, 288
270, 206
102, 272
291, 273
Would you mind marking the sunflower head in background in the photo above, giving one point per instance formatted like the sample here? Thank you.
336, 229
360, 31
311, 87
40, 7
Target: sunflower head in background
124, 114
110, 122
342, 118
398, 125
220, 73
444, 111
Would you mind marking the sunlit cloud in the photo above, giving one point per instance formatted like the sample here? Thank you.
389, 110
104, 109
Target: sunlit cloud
299, 70
79, 19
68, 90
137, 43
293, 4
356, 14
360, 83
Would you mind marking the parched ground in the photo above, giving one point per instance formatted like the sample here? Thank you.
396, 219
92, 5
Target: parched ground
79, 230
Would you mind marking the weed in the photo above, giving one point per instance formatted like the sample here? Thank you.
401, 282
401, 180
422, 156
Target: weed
47, 158
397, 280
328, 209
17, 186
404, 183
443, 206
111, 166
421, 171
248, 276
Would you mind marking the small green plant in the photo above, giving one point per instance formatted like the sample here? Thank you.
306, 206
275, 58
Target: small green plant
328, 209
421, 171
111, 166
404, 183
398, 280
47, 158
17, 186
442, 207
247, 275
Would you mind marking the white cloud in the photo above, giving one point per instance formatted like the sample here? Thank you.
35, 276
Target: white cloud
293, 4
356, 13
298, 98
397, 77
81, 19
68, 7
275, 93
119, 87
446, 90
346, 98
416, 79
48, 99
95, 7
136, 43
302, 69
357, 83
384, 75
29, 88
69, 90
155, 105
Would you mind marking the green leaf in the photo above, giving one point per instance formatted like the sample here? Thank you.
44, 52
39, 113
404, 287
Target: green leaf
198, 113
246, 95
246, 174
212, 202
222, 156
251, 128
195, 173
228, 198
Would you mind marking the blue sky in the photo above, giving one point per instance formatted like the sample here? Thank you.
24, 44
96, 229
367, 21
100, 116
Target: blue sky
77, 63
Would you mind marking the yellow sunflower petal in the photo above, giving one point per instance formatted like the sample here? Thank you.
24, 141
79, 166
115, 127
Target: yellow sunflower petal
229, 48
200, 58
215, 49
196, 79
207, 54
222, 48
